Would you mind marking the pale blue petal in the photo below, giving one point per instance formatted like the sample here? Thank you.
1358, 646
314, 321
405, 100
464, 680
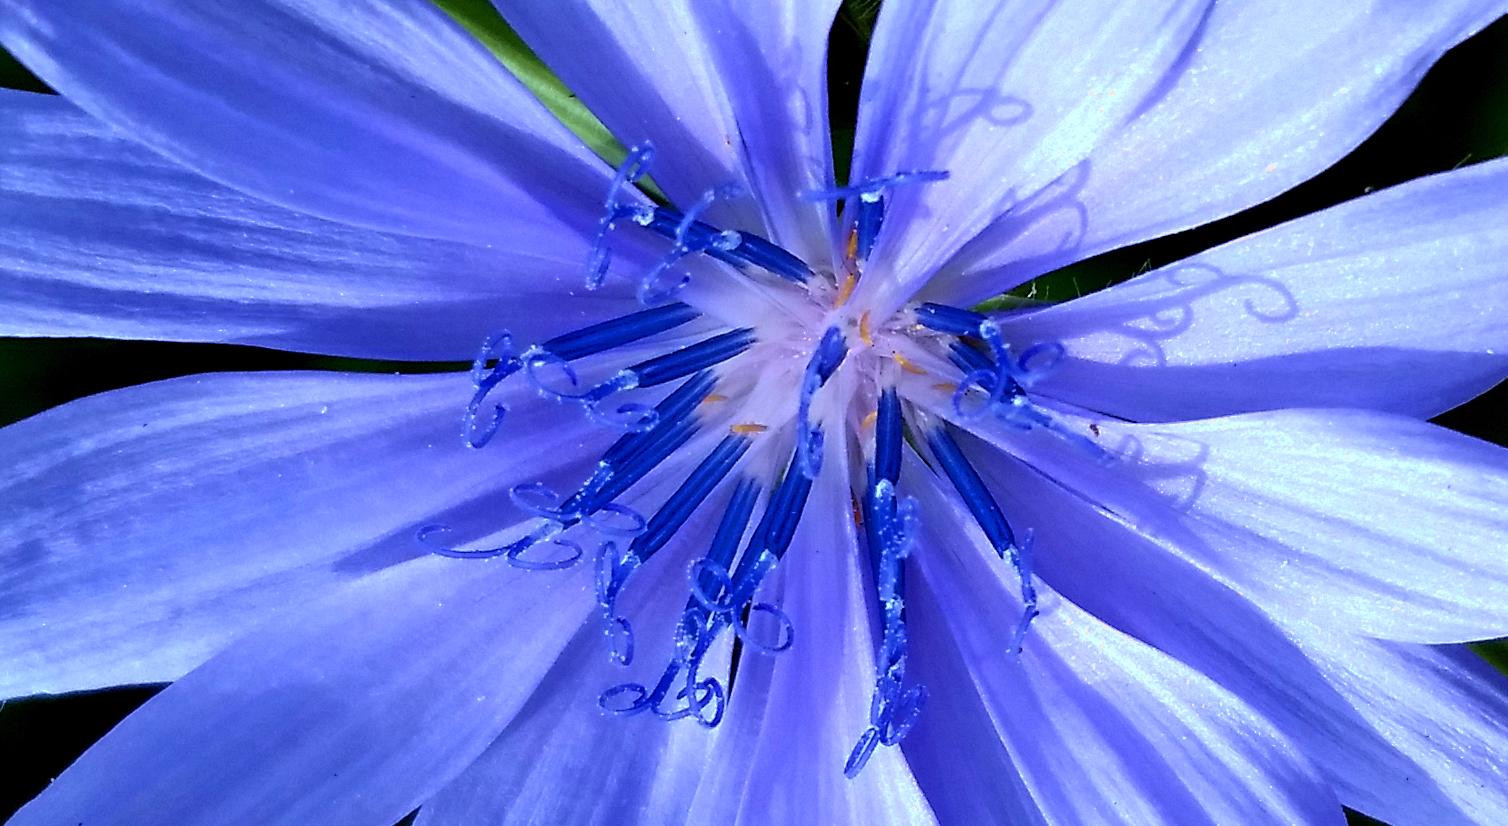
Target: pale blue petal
102, 237
378, 114
728, 92
1388, 302
350, 709
1007, 98
1269, 94
1375, 524
147, 527
1405, 733
1101, 727
1442, 708
794, 717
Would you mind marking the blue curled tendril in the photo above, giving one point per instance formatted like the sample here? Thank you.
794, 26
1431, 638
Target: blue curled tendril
1021, 560
653, 288
614, 567
511, 552
633, 168
497, 350
599, 520
737, 608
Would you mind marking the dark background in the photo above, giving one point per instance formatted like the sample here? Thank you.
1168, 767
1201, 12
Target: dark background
1458, 116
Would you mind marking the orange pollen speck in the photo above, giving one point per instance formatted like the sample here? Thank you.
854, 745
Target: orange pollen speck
714, 397
869, 420
851, 253
845, 290
864, 335
907, 365
945, 387
748, 427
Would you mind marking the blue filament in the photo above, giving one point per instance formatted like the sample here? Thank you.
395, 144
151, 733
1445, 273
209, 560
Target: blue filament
986, 511
596, 338
825, 360
719, 602
689, 238
890, 526
681, 504
869, 214
629, 172
950, 320
692, 358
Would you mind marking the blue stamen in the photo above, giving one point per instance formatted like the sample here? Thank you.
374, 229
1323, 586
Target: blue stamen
887, 436
749, 249
496, 348
890, 530
681, 504
981, 503
824, 362
570, 346
633, 417
672, 410
617, 332
869, 213
707, 615
629, 172
694, 357
613, 570
950, 320
689, 239
512, 552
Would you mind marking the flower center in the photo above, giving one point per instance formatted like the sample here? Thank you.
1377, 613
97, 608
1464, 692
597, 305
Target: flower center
752, 406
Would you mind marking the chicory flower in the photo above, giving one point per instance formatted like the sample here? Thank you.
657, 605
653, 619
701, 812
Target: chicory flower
1180, 550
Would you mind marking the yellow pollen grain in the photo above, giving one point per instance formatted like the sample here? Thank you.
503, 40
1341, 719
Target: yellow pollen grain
747, 427
858, 515
714, 397
864, 335
845, 290
869, 420
906, 365
945, 387
851, 252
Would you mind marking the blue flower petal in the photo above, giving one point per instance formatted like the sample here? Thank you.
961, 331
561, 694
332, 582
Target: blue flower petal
1376, 524
1101, 727
1388, 302
794, 717
148, 527
377, 114
726, 91
1442, 710
306, 722
1272, 94
1405, 733
102, 237
1007, 98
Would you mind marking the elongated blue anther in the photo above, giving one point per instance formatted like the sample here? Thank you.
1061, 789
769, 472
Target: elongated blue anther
869, 213
692, 358
819, 368
681, 504
981, 503
946, 319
